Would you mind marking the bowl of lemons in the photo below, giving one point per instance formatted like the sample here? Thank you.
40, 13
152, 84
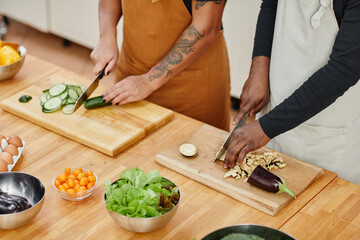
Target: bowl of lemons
12, 57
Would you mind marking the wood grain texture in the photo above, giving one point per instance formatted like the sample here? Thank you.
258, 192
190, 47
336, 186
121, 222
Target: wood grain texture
109, 130
333, 214
298, 174
201, 211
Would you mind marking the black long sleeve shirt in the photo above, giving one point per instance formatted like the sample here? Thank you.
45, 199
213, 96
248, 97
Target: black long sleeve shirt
331, 81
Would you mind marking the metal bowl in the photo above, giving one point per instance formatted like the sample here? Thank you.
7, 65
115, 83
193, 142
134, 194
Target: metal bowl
142, 225
25, 185
8, 71
264, 232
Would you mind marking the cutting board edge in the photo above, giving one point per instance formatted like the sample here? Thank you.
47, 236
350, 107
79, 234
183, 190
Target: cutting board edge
273, 210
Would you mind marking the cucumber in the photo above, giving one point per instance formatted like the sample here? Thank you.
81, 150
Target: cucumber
68, 109
70, 101
73, 94
83, 88
95, 102
53, 104
25, 98
79, 91
57, 89
63, 95
43, 98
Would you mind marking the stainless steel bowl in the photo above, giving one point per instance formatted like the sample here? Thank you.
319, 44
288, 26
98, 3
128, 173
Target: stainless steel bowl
8, 71
142, 225
25, 185
264, 232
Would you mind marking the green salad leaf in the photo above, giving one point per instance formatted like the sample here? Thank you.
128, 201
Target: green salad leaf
140, 194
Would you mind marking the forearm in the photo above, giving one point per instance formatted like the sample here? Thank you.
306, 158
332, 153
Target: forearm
265, 28
109, 15
259, 69
202, 31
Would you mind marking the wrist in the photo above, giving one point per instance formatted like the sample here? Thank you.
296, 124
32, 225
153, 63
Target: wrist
260, 68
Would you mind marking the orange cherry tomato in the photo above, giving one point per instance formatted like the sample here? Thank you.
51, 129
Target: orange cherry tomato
79, 169
61, 178
71, 176
89, 173
76, 172
80, 175
77, 186
92, 178
90, 185
57, 183
70, 190
67, 171
62, 188
77, 181
71, 183
82, 188
65, 185
84, 181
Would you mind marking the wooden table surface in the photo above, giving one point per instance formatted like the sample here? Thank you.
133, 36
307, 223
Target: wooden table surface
201, 211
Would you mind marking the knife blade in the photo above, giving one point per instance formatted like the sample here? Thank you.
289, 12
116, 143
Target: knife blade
86, 94
225, 146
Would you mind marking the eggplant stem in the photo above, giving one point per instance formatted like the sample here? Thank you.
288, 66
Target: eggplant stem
284, 188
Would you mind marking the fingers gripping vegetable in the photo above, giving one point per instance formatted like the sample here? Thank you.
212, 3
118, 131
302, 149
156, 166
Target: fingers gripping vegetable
268, 181
96, 102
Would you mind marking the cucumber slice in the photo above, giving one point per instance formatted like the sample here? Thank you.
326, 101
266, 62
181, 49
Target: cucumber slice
57, 89
48, 97
73, 94
83, 88
43, 98
68, 109
53, 103
63, 95
95, 102
70, 101
64, 101
79, 91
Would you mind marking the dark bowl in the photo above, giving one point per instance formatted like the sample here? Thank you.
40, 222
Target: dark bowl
264, 232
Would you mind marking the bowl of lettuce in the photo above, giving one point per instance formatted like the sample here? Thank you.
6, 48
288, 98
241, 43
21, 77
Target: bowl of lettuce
141, 202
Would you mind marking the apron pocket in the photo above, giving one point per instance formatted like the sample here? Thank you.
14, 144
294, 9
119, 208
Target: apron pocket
319, 145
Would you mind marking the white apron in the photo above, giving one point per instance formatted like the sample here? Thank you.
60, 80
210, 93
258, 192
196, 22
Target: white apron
304, 35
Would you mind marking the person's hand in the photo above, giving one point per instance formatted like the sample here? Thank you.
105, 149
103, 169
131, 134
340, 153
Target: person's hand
244, 140
130, 89
256, 92
105, 52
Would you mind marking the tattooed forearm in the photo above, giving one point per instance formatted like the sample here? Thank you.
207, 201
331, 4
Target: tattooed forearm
200, 3
183, 46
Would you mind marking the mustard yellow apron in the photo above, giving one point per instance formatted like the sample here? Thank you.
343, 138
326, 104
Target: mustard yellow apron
202, 91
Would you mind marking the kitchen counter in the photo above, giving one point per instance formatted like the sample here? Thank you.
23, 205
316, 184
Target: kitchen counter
201, 211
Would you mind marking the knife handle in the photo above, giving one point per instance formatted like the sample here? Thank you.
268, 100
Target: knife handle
102, 72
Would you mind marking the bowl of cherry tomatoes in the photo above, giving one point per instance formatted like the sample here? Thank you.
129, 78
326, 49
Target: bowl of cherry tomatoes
75, 185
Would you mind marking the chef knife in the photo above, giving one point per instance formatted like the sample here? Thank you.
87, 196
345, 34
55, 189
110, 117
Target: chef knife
225, 146
86, 94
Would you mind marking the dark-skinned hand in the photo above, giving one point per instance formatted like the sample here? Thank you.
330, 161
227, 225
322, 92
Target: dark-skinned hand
256, 92
244, 140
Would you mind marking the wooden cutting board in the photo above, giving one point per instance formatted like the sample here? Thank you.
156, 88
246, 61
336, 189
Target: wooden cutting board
298, 174
109, 130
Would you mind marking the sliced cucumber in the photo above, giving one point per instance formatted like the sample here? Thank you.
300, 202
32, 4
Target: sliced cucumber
79, 91
43, 98
70, 101
53, 103
73, 94
57, 89
95, 102
83, 88
68, 109
63, 95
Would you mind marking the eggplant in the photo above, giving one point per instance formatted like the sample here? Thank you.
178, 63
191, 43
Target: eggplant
13, 203
268, 181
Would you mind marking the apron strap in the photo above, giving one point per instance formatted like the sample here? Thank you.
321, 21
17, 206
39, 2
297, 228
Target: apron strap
315, 20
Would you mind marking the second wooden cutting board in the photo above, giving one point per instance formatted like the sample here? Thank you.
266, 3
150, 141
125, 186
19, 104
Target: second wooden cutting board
298, 174
109, 129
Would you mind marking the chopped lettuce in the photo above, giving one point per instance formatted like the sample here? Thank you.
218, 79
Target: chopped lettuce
140, 194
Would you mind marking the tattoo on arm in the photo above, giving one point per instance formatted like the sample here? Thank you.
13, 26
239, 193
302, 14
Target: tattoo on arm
185, 45
200, 3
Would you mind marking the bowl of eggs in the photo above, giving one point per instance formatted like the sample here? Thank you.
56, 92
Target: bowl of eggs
75, 185
10, 152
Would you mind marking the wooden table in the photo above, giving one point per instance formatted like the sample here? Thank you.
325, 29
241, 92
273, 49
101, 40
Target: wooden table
201, 210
